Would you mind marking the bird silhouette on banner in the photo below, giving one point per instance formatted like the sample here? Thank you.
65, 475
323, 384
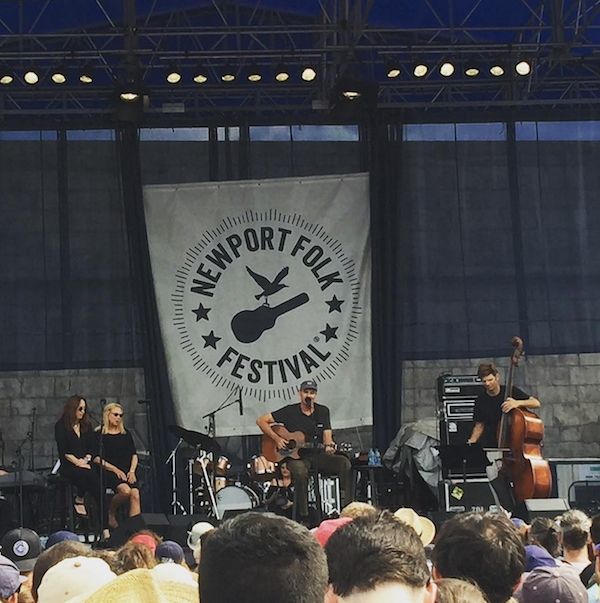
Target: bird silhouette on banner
268, 287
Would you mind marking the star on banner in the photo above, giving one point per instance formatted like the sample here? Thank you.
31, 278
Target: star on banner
201, 312
329, 332
335, 304
210, 340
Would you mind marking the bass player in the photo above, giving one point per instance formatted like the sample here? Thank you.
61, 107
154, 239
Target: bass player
313, 421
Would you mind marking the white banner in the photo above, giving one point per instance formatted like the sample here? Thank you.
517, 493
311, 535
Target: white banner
261, 285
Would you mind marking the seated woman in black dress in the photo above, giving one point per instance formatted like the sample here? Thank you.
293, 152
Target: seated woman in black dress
120, 461
76, 446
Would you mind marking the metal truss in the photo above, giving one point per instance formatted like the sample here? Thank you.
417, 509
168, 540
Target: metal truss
560, 38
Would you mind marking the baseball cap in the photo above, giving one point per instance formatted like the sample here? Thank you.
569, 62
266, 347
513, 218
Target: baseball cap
169, 550
310, 384
560, 584
72, 577
198, 529
146, 540
537, 556
10, 578
328, 527
22, 546
61, 536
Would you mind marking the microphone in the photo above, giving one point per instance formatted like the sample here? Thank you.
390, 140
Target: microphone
103, 402
308, 401
241, 403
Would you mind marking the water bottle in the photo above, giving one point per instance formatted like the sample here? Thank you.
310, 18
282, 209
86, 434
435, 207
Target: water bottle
377, 457
372, 458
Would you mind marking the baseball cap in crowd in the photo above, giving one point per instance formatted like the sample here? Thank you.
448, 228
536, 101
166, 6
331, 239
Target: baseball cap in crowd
328, 527
10, 578
146, 540
173, 572
560, 584
537, 556
72, 577
198, 529
22, 546
169, 551
310, 384
61, 536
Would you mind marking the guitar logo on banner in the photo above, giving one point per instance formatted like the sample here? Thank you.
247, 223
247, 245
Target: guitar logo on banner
266, 300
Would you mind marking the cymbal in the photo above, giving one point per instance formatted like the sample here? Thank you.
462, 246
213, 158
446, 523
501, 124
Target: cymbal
195, 438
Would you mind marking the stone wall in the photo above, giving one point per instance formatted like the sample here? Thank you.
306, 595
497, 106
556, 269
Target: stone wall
47, 391
566, 385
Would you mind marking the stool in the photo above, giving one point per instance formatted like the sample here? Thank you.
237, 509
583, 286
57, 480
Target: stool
63, 494
370, 474
329, 494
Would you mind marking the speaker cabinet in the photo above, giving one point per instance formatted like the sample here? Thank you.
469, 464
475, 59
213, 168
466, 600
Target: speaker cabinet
545, 507
464, 496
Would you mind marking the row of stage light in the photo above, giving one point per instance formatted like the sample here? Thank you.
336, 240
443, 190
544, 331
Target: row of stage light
228, 73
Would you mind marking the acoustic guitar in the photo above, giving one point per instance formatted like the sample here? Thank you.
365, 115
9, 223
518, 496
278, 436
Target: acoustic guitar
296, 442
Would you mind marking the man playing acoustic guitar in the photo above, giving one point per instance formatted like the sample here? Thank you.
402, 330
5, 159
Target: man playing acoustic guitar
312, 420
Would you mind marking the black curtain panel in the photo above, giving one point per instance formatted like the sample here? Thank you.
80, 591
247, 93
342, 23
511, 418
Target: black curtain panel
390, 249
158, 392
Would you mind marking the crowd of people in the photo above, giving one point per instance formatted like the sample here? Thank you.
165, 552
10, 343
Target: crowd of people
367, 555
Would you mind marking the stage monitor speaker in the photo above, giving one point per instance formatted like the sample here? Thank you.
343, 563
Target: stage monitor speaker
473, 495
157, 522
545, 507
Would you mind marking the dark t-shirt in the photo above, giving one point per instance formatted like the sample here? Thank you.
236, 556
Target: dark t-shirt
312, 426
118, 449
488, 411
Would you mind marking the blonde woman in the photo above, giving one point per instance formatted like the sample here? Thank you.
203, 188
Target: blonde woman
120, 462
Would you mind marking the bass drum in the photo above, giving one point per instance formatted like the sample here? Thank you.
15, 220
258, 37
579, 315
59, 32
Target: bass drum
236, 498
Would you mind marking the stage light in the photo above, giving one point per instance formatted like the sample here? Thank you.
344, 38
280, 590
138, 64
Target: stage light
254, 73
308, 73
281, 73
227, 73
420, 69
7, 75
523, 68
472, 69
497, 68
446, 69
31, 76
59, 74
86, 74
173, 74
200, 74
392, 69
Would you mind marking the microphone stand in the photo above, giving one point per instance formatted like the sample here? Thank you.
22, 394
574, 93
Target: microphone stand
101, 455
31, 435
2, 446
20, 461
150, 451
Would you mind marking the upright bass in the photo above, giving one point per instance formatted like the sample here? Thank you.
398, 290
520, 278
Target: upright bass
521, 431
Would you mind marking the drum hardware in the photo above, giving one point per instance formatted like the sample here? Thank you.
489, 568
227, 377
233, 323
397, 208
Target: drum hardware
175, 504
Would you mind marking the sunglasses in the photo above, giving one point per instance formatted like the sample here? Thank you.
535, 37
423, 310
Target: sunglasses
117, 414
82, 408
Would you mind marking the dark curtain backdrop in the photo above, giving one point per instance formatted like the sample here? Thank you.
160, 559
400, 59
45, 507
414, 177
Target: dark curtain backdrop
480, 232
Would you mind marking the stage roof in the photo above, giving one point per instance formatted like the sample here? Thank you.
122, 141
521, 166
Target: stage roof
345, 41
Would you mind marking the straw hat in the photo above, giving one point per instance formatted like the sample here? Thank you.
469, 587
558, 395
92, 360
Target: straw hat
423, 526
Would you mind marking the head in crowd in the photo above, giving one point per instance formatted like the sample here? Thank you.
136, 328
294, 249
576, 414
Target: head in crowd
452, 590
61, 536
546, 533
73, 577
132, 555
53, 555
22, 546
356, 509
269, 559
537, 556
376, 558
327, 527
147, 537
559, 584
169, 551
486, 369
71, 413
484, 548
106, 417
575, 530
143, 586
197, 537
10, 580
595, 529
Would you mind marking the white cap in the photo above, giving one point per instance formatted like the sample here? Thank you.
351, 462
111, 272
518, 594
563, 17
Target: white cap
197, 531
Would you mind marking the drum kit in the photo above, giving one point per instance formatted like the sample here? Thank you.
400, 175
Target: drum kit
212, 487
